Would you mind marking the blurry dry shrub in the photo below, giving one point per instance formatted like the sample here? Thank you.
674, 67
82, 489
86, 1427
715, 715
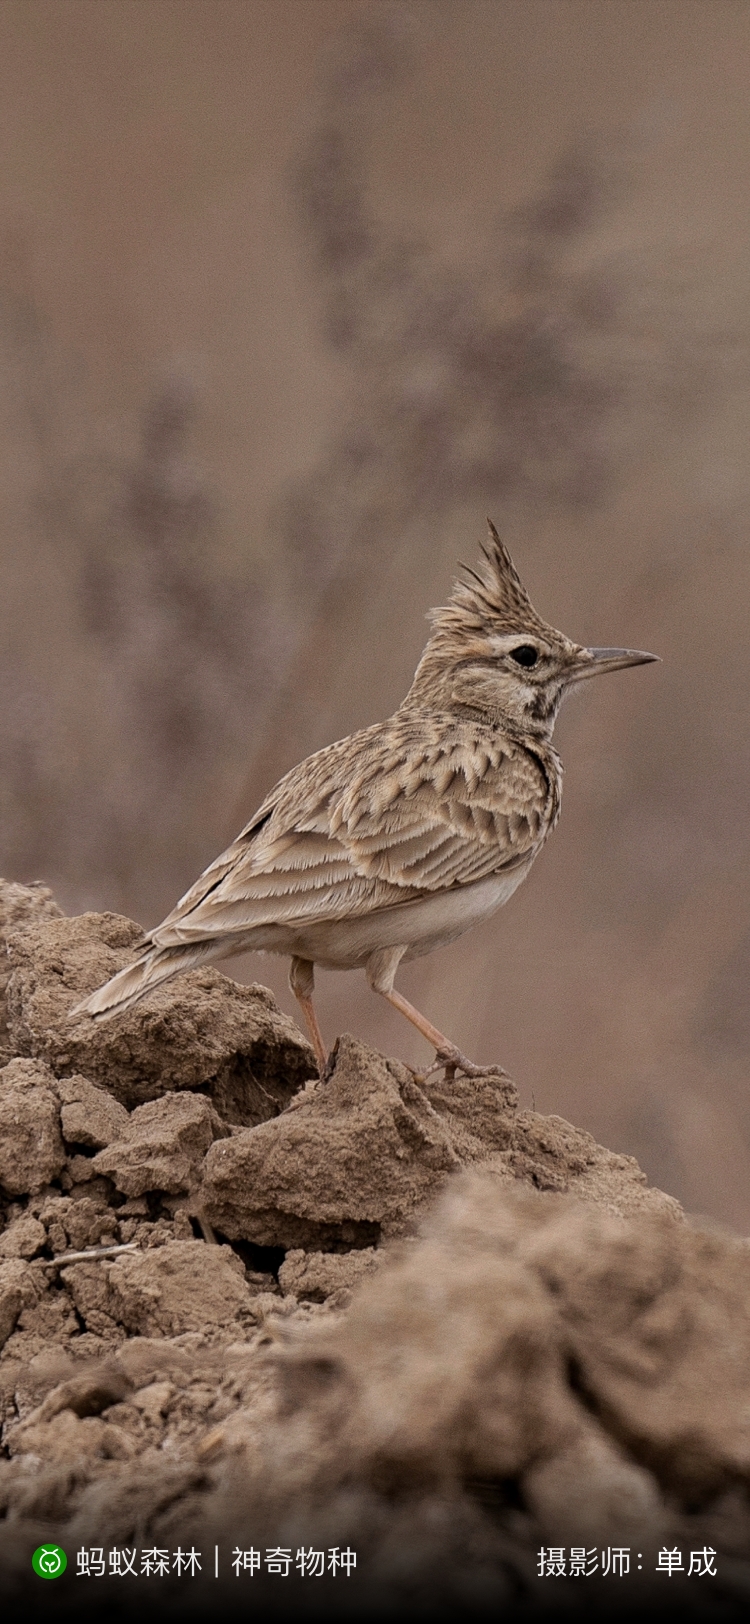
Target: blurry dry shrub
543, 372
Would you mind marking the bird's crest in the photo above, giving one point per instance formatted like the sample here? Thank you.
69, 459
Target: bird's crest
488, 599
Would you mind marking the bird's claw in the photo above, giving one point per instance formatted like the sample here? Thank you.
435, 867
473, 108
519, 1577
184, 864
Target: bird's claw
452, 1060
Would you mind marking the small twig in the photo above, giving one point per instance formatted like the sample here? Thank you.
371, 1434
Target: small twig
205, 1227
86, 1257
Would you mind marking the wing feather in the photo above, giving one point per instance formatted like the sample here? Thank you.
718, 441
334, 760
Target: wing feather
380, 818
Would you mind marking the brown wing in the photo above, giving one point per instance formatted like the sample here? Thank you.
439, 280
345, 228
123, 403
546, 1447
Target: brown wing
385, 816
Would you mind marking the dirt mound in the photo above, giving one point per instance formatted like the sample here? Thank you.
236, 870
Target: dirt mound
232, 1313
19, 905
529, 1373
352, 1159
202, 1031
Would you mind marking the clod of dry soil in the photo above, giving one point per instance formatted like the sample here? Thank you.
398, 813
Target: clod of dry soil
372, 1312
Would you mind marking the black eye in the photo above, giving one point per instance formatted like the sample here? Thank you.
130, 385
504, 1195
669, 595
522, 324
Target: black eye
525, 654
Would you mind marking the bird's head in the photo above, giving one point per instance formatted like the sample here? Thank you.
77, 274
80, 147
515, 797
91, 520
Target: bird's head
492, 654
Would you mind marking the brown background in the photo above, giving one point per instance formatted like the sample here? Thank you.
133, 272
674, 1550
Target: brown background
291, 296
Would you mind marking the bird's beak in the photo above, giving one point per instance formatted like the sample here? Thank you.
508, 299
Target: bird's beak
596, 660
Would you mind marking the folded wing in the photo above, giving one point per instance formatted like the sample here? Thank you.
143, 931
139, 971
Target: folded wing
412, 818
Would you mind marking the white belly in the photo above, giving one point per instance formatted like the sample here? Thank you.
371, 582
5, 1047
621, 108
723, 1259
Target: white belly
345, 944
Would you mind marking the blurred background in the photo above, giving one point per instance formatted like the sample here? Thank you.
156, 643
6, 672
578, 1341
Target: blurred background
292, 294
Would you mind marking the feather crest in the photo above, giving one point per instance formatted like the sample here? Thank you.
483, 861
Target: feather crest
488, 599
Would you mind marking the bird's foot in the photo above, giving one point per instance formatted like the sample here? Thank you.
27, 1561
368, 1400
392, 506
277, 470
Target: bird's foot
451, 1060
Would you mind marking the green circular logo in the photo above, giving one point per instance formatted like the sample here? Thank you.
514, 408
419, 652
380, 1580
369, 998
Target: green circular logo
49, 1561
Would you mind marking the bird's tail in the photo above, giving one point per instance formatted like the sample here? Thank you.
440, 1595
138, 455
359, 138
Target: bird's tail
156, 965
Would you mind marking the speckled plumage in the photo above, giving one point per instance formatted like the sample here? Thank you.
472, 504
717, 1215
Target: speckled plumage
396, 839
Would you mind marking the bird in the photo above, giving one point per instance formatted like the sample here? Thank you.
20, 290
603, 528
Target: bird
393, 841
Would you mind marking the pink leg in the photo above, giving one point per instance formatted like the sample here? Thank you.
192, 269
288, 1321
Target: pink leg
302, 983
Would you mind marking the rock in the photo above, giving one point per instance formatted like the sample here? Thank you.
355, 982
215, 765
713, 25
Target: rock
354, 1158
74, 1223
657, 1319
154, 1400
313, 1277
47, 1318
180, 1287
23, 1238
548, 1153
37, 1377
89, 1287
15, 1292
71, 1441
31, 1149
200, 1031
598, 1363
543, 1152
150, 1361
479, 1113
89, 1116
590, 1488
450, 1354
350, 1161
161, 1292
163, 1145
78, 1171
19, 905
87, 1394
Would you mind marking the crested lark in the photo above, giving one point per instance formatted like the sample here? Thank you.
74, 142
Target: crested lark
395, 840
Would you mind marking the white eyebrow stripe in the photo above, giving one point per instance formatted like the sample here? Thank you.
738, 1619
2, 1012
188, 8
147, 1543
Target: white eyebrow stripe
510, 640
